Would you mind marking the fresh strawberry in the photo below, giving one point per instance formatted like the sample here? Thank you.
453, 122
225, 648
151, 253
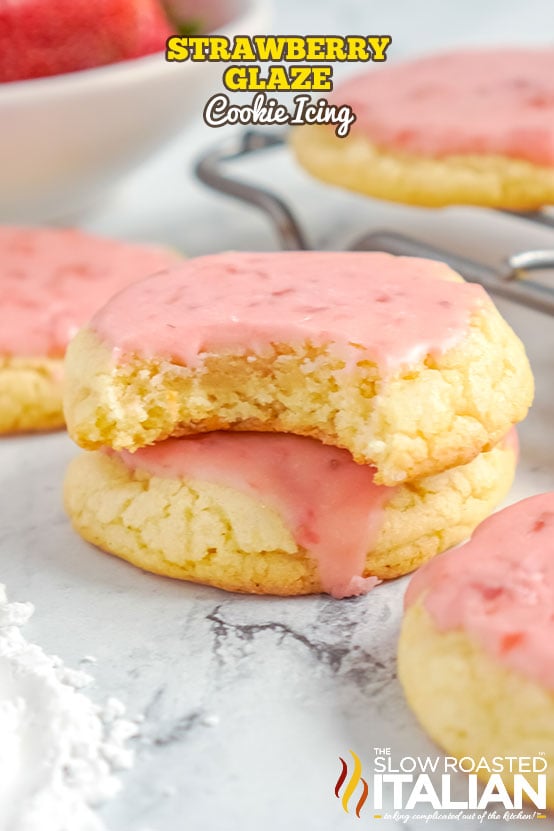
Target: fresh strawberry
42, 37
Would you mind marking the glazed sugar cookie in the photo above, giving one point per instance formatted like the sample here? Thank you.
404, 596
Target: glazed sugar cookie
30, 394
273, 513
395, 359
51, 281
476, 653
470, 127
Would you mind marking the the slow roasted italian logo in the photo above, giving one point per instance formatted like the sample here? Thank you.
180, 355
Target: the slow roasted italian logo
348, 782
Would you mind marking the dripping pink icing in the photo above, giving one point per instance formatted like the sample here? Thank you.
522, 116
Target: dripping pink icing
329, 503
52, 280
494, 101
392, 309
499, 588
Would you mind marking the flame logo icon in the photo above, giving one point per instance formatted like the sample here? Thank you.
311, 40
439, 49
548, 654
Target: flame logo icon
351, 784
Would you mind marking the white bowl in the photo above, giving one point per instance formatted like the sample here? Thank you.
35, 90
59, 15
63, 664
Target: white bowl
66, 139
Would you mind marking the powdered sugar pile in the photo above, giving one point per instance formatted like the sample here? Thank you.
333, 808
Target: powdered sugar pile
58, 749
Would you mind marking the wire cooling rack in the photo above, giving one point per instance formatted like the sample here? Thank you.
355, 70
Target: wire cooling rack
510, 280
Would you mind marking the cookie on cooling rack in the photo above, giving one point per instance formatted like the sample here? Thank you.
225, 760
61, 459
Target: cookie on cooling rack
469, 127
273, 513
395, 359
476, 653
51, 282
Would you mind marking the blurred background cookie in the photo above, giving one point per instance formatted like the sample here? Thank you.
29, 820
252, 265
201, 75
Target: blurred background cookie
469, 127
51, 282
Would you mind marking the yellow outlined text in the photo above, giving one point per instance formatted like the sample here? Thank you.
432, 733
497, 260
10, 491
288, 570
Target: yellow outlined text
276, 48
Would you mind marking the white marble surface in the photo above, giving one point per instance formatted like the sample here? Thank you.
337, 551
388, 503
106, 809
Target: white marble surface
249, 702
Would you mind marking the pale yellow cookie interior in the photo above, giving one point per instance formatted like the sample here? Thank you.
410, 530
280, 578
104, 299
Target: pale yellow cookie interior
468, 702
195, 530
427, 417
30, 394
357, 164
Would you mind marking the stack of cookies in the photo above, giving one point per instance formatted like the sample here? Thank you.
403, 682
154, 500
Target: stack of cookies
292, 423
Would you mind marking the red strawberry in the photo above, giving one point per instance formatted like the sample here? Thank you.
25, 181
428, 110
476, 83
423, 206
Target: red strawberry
40, 37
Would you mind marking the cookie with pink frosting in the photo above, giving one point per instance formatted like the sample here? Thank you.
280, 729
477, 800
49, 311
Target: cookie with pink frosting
270, 513
51, 282
476, 653
394, 359
469, 127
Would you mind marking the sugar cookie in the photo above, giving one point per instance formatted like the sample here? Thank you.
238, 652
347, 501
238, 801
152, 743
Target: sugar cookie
275, 514
395, 359
476, 653
465, 127
51, 282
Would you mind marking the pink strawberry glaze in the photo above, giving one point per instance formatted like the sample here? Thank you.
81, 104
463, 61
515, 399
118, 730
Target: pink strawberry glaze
330, 503
52, 280
486, 101
367, 305
499, 588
